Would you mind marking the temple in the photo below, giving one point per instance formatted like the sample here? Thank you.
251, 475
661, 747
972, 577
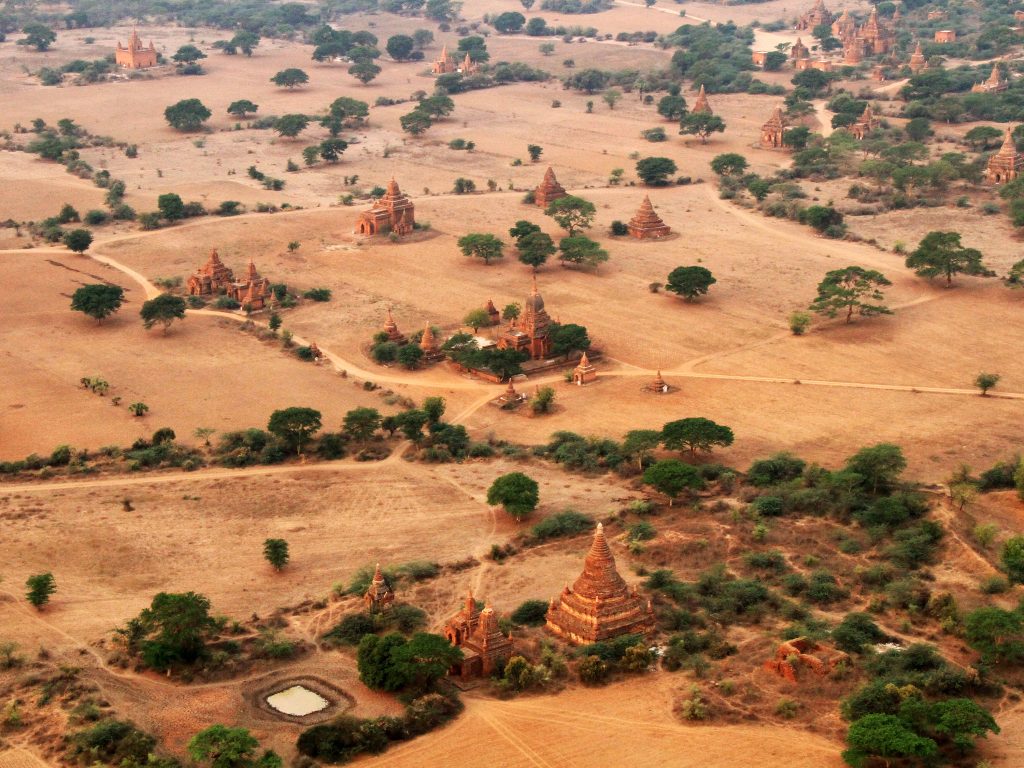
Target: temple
917, 60
445, 64
476, 632
549, 190
646, 224
865, 124
815, 17
379, 594
872, 38
945, 36
391, 329
995, 83
214, 277
584, 372
1006, 164
799, 50
393, 212
657, 385
492, 312
599, 605
530, 332
135, 55
701, 104
428, 343
772, 132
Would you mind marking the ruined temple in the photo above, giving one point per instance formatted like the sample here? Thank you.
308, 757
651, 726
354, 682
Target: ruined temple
995, 83
599, 605
549, 190
391, 329
876, 36
492, 312
772, 131
844, 28
646, 224
815, 17
428, 343
530, 332
1006, 164
584, 372
701, 104
917, 59
804, 653
135, 55
483, 645
379, 594
865, 124
393, 212
799, 50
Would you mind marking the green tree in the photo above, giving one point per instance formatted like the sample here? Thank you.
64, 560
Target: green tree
409, 356
516, 492
295, 426
640, 443
476, 318
188, 54
78, 240
695, 434
411, 423
580, 249
729, 164
434, 408
851, 290
245, 41
569, 338
535, 151
689, 282
672, 107
361, 423
171, 206
535, 248
400, 47
415, 122
654, 171
940, 253
572, 213
275, 551
97, 300
291, 126
523, 228
242, 108
332, 149
364, 71
392, 663
163, 309
510, 312
774, 61
986, 381
138, 409
174, 629
508, 22
1013, 559
997, 634
701, 124
885, 737
437, 106
611, 97
672, 477
877, 467
39, 36
983, 137
483, 246
290, 78
40, 587
187, 115
222, 747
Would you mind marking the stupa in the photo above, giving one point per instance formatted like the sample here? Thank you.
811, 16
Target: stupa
391, 329
1006, 164
865, 124
996, 83
549, 190
428, 343
646, 224
393, 212
658, 385
701, 104
917, 60
379, 594
599, 605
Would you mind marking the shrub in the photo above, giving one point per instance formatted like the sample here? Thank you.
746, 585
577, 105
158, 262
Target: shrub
531, 613
567, 523
857, 631
768, 506
350, 630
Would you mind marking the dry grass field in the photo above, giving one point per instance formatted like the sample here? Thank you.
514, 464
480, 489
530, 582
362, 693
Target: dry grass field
906, 378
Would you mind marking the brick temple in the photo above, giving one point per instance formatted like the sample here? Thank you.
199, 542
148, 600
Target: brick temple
815, 17
1006, 164
917, 60
865, 124
379, 594
446, 64
476, 633
772, 132
393, 212
530, 332
549, 190
135, 55
646, 224
599, 605
996, 83
391, 329
701, 104
214, 278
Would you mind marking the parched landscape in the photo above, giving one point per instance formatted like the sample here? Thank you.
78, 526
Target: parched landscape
511, 383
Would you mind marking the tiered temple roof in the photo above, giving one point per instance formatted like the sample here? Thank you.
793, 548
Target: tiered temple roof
1006, 164
476, 632
815, 17
772, 131
646, 224
799, 50
393, 212
428, 343
391, 329
599, 605
917, 59
135, 55
994, 84
584, 372
657, 385
549, 190
865, 123
379, 594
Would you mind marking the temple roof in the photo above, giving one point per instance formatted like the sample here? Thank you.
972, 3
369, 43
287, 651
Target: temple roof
701, 104
535, 302
599, 579
777, 120
428, 343
1008, 151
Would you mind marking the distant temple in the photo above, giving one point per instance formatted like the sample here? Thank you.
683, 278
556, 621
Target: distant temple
772, 131
215, 278
1006, 164
475, 632
995, 83
701, 104
584, 372
393, 212
379, 594
815, 17
799, 50
549, 190
917, 59
530, 332
945, 36
391, 329
865, 124
657, 385
599, 605
445, 64
134, 55
872, 38
646, 224
428, 343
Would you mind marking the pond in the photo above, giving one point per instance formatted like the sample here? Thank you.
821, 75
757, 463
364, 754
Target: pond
298, 701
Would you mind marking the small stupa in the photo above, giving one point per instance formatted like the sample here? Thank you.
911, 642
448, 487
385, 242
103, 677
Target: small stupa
701, 104
391, 329
379, 594
646, 224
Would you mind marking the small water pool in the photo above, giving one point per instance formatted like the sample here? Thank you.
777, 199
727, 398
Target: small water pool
297, 701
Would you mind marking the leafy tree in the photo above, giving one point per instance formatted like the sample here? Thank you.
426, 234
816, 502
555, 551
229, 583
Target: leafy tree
797, 137
543, 400
812, 81
580, 249
78, 240
940, 253
392, 663
221, 747
295, 426
997, 634
361, 423
569, 338
611, 97
672, 477
291, 125
655, 171
690, 282
415, 122
535, 151
986, 381
40, 587
523, 228
437, 106
400, 47
774, 60
1013, 559
877, 467
187, 115
701, 124
349, 110
640, 443
534, 248
516, 492
188, 54
242, 108
483, 246
572, 213
434, 408
98, 300
331, 150
275, 551
476, 318
163, 309
508, 22
245, 41
411, 424
476, 47
983, 137
409, 356
510, 312
884, 736
175, 628
364, 71
171, 206
672, 107
39, 36
138, 409
694, 434
851, 289
290, 78
729, 164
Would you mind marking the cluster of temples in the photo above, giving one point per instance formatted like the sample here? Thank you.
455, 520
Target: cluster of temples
135, 55
995, 83
392, 212
214, 278
446, 64
1006, 164
475, 631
